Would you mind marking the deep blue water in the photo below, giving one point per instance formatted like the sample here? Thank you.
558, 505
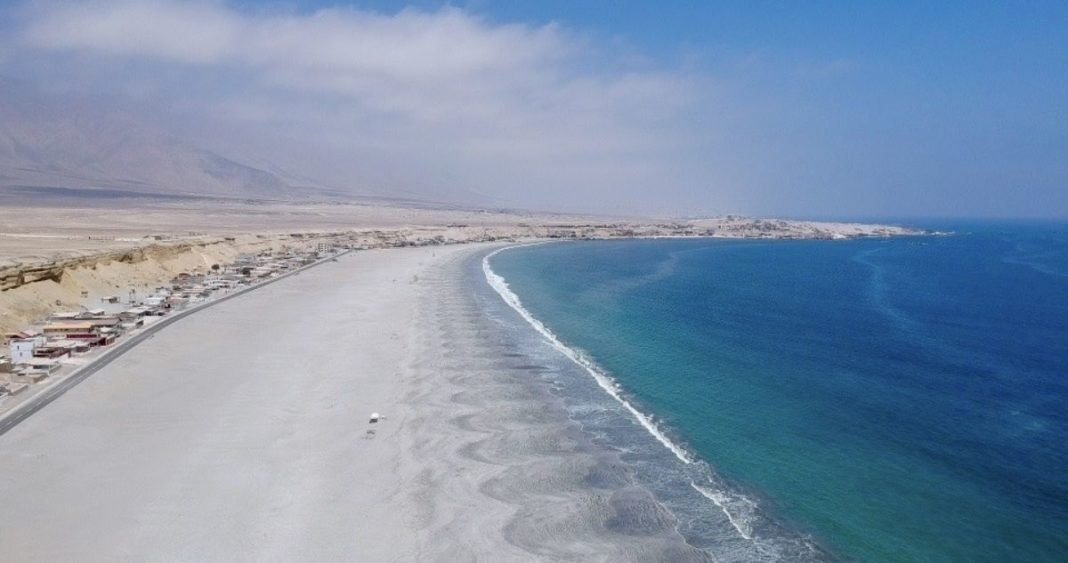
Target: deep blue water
899, 400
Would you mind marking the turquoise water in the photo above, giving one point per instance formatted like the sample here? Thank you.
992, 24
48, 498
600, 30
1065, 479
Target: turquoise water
899, 400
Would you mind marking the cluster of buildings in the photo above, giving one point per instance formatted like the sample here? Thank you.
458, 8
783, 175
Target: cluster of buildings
36, 354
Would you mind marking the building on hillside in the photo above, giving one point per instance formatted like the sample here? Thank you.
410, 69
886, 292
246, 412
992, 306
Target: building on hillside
73, 346
22, 349
65, 315
22, 334
100, 324
91, 338
133, 324
134, 313
48, 352
23, 343
67, 327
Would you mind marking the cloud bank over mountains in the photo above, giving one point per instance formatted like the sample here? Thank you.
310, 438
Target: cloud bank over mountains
442, 104
857, 111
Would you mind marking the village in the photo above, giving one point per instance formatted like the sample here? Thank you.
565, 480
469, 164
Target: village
66, 341
51, 349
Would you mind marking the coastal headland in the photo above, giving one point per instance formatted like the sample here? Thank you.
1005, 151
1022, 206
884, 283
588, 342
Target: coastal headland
57, 257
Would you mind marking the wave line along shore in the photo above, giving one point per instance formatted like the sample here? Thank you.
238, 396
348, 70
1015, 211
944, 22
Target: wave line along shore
206, 443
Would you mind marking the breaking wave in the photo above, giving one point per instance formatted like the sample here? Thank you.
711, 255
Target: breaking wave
740, 511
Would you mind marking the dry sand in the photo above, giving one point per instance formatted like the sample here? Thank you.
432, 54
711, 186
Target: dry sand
33, 231
82, 242
51, 251
241, 433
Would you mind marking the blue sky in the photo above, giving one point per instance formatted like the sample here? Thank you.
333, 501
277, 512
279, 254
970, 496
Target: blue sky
818, 109
968, 100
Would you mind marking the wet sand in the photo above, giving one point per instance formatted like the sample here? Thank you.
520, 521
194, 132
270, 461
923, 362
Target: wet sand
242, 433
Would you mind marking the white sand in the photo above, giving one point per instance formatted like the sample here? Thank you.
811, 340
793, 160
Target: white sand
236, 434
239, 433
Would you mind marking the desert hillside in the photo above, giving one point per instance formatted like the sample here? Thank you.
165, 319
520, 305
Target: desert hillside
49, 144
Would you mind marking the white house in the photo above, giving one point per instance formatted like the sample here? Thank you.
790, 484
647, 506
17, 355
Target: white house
22, 349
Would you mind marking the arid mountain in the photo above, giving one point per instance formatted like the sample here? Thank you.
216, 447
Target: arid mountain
62, 146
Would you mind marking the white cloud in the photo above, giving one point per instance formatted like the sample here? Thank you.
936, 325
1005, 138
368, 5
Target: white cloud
534, 115
188, 33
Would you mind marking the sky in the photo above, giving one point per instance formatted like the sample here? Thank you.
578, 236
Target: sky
799, 109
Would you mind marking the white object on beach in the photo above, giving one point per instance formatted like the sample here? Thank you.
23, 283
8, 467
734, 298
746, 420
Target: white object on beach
374, 417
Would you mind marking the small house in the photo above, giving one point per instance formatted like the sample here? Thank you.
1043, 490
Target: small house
133, 313
48, 353
67, 327
100, 324
34, 376
65, 315
22, 349
42, 365
23, 343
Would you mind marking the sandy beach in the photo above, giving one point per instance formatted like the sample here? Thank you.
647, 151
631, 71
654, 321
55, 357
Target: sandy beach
242, 433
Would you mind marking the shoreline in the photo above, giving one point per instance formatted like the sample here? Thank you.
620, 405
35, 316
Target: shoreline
605, 381
716, 350
241, 450
487, 425
740, 509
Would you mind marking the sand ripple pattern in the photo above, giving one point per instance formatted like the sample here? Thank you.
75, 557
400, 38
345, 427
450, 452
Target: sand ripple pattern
504, 467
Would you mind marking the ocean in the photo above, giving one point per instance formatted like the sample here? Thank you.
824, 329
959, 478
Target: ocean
880, 400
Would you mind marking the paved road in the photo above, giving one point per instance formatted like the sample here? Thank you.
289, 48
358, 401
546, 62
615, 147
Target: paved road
27, 409
235, 434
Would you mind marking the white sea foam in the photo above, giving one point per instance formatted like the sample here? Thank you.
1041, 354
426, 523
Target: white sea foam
609, 385
740, 510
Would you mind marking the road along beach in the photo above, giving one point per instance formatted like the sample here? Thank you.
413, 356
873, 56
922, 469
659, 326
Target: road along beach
242, 432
